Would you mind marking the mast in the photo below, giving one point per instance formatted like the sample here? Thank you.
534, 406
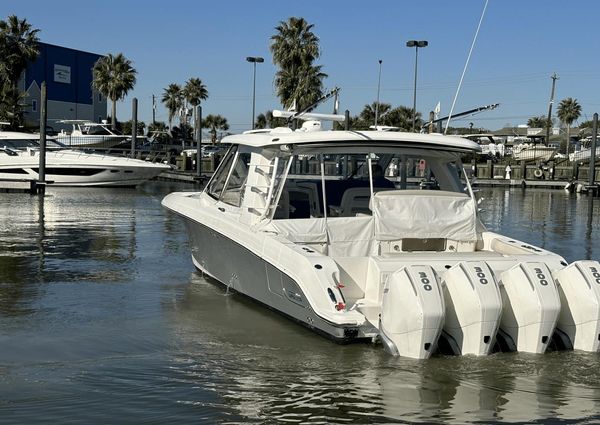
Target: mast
548, 122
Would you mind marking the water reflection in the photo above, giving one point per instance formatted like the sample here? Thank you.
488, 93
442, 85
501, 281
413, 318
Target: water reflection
100, 306
555, 220
65, 236
260, 366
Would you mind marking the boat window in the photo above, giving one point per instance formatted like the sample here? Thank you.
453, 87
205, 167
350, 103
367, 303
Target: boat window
97, 130
19, 143
217, 183
349, 179
72, 171
234, 189
280, 199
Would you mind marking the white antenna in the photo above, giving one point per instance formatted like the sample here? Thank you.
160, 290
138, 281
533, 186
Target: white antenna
465, 68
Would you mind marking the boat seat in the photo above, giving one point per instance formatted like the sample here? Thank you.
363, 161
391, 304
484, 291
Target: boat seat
355, 200
304, 199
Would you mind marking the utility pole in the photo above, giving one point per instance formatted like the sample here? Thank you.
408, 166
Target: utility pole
549, 122
378, 88
336, 107
153, 110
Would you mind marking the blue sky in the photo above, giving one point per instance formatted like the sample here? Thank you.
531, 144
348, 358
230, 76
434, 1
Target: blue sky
520, 45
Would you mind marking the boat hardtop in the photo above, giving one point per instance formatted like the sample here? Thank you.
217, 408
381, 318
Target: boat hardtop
283, 136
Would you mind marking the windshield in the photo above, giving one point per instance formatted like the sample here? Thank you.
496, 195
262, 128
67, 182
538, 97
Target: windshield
22, 144
323, 184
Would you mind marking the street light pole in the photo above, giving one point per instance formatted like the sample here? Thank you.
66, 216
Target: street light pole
254, 60
378, 88
416, 44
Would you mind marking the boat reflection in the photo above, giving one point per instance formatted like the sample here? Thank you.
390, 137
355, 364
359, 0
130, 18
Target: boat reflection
65, 236
264, 366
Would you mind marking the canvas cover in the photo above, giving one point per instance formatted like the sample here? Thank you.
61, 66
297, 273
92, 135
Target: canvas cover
303, 230
423, 214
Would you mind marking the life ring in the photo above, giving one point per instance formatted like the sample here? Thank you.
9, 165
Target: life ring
538, 173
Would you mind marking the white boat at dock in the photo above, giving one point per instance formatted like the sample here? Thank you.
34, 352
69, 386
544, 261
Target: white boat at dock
20, 159
305, 223
533, 152
86, 134
584, 155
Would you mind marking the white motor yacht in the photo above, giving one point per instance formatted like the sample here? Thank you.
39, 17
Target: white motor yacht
306, 223
86, 134
20, 156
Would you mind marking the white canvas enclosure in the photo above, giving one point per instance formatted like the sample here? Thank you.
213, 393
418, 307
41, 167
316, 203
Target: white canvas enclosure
424, 214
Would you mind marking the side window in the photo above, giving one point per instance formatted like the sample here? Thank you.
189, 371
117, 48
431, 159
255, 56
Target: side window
234, 190
217, 183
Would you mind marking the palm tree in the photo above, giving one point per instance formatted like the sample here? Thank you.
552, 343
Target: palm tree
214, 123
195, 92
538, 122
294, 43
18, 46
569, 110
368, 112
295, 47
173, 101
113, 77
401, 117
261, 121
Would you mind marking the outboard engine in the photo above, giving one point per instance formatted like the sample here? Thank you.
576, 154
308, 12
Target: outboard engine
473, 307
531, 305
412, 312
579, 290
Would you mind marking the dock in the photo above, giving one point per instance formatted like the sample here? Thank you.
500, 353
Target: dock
190, 177
18, 186
32, 187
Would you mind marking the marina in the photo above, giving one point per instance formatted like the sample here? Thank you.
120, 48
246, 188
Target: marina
100, 306
299, 215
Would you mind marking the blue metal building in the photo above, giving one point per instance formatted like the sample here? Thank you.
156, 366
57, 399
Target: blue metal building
68, 76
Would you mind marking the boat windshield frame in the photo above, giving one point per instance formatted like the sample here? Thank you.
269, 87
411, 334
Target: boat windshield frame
448, 164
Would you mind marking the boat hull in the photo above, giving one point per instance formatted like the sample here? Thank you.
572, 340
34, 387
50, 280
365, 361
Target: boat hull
71, 168
90, 141
532, 153
239, 269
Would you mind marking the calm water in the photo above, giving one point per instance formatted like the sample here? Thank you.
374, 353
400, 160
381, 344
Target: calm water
104, 320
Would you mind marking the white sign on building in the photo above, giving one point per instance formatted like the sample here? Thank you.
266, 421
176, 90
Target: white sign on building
62, 74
